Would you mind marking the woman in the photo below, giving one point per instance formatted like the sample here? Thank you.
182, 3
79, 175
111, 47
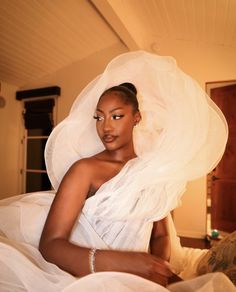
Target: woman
117, 178
116, 115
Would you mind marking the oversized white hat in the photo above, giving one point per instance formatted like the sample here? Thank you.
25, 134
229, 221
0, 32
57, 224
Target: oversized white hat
182, 134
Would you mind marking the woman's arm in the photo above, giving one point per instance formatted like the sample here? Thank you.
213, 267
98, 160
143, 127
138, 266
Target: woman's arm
160, 240
54, 243
56, 248
160, 246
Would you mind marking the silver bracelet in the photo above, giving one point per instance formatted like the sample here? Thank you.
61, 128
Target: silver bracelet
92, 253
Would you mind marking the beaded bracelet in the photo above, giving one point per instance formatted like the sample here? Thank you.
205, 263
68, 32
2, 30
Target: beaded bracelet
92, 253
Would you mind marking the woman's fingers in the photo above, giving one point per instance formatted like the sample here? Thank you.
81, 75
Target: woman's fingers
162, 267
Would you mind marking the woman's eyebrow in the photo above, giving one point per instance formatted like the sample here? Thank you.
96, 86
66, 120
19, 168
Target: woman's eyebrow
114, 109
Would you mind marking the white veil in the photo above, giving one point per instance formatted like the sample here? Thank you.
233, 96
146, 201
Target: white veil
181, 137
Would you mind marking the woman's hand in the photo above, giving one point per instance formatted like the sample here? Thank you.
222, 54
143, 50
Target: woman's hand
139, 263
160, 239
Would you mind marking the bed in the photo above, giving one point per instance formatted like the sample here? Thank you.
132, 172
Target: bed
21, 221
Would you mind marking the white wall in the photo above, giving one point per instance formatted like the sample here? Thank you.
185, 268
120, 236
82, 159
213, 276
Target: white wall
10, 126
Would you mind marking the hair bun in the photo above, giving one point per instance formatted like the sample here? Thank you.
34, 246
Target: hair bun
129, 86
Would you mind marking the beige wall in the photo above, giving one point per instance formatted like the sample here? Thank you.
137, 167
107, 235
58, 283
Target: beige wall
203, 62
190, 217
10, 127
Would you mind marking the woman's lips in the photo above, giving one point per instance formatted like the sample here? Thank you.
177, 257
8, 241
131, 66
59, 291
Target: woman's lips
109, 138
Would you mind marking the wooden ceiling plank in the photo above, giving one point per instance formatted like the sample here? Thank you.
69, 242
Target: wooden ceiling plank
112, 18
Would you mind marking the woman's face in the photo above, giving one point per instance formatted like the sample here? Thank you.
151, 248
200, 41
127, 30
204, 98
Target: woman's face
115, 121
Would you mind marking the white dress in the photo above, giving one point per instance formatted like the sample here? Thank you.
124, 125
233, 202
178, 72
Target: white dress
22, 268
182, 136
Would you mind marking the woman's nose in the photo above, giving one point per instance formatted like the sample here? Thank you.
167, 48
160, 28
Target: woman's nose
107, 125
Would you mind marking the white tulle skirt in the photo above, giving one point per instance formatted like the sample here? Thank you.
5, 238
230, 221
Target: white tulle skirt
22, 267
121, 282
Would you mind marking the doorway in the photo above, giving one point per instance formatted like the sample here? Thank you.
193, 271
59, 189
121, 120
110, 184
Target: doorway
39, 120
221, 190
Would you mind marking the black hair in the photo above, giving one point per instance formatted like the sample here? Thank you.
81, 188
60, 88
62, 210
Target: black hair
127, 92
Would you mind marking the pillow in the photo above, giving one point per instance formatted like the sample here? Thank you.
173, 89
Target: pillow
221, 258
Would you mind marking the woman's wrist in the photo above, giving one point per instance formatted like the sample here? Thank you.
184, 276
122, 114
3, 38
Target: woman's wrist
106, 260
91, 258
114, 260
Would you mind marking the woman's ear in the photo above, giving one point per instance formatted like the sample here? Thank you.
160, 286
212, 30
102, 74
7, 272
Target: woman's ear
137, 118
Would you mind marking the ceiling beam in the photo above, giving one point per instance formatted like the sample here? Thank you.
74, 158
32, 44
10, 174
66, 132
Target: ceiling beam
107, 11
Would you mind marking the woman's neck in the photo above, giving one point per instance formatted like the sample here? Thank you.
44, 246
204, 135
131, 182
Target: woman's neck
119, 155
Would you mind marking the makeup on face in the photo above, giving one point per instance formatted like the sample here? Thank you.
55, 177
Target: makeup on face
114, 120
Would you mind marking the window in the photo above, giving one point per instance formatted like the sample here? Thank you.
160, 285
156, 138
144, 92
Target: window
38, 118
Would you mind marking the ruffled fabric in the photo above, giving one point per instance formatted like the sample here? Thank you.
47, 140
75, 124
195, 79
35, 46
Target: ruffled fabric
181, 137
22, 267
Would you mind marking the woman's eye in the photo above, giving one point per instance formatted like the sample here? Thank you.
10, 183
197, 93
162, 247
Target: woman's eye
117, 117
98, 118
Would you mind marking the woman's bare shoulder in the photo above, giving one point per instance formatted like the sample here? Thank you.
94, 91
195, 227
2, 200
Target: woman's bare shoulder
79, 177
85, 162
85, 166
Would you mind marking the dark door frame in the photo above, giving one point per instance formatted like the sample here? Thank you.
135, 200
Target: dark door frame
208, 87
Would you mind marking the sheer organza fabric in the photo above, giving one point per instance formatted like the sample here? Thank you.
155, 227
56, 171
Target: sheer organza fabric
117, 282
22, 267
182, 136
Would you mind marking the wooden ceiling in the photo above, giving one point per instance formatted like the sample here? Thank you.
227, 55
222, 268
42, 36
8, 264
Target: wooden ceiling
39, 37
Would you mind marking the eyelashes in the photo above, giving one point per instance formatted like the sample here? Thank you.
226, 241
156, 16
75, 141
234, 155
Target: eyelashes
117, 117
97, 118
113, 117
